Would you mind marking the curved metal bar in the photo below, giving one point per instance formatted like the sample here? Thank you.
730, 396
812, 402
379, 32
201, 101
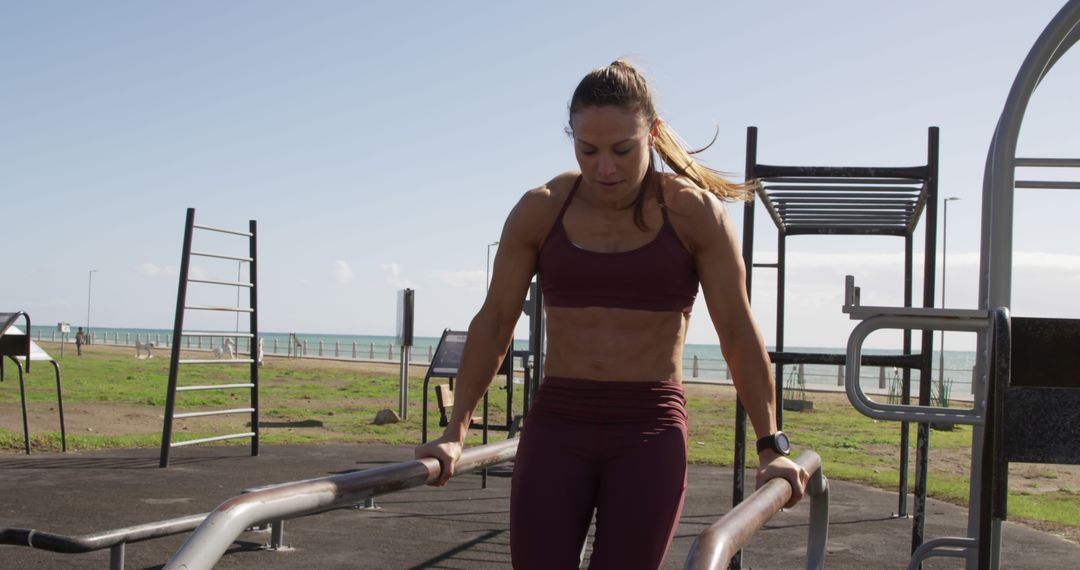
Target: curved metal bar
714, 548
1060, 34
96, 541
210, 541
961, 547
909, 413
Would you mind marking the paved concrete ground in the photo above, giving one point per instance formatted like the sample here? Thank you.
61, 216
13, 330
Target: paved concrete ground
460, 526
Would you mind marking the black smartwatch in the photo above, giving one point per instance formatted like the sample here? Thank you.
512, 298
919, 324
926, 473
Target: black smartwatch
777, 442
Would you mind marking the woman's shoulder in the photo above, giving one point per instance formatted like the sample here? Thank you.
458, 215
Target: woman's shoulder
537, 209
683, 197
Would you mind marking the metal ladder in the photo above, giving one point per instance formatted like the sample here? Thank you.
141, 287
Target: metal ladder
179, 333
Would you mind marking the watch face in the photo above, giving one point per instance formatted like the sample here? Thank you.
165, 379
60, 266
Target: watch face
782, 443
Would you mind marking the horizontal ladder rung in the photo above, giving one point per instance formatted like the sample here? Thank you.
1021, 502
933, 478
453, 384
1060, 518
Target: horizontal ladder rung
1049, 162
216, 334
217, 361
213, 308
213, 229
213, 413
212, 282
209, 439
1048, 184
213, 387
220, 256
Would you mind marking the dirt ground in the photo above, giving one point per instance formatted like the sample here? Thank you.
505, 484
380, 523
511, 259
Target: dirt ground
127, 419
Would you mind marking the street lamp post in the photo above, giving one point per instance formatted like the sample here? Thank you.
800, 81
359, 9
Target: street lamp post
89, 291
944, 250
487, 266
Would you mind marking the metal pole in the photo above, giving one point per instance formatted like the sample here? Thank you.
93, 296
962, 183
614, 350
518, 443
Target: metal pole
89, 290
487, 266
944, 250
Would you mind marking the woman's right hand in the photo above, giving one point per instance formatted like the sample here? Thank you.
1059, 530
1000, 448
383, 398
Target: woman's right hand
447, 450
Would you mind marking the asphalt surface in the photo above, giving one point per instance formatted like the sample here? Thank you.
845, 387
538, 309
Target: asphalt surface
459, 526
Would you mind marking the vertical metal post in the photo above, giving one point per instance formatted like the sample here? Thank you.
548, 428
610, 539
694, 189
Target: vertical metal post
178, 327
781, 258
748, 261
925, 373
905, 383
116, 556
277, 534
403, 392
253, 348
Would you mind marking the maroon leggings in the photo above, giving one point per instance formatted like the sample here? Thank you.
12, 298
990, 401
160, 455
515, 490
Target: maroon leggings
616, 447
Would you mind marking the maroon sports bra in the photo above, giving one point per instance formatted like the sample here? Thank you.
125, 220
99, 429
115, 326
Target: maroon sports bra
658, 276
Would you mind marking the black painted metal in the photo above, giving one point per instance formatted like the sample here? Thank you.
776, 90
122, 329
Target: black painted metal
859, 201
929, 279
254, 329
897, 360
781, 260
905, 386
178, 328
739, 469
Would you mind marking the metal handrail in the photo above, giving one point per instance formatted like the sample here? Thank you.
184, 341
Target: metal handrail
214, 536
714, 548
98, 540
911, 413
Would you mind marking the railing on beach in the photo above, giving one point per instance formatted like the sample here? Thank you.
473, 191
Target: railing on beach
880, 379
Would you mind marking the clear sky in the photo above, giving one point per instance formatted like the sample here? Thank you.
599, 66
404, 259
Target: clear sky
380, 145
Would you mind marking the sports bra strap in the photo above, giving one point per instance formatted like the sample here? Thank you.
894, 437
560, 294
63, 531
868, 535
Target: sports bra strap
569, 197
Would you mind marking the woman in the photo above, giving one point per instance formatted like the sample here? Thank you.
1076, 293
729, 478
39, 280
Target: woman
620, 250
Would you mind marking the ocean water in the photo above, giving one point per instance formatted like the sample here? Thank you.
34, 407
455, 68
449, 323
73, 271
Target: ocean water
702, 362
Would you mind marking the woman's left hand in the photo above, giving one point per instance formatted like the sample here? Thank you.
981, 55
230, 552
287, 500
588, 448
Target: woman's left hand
774, 465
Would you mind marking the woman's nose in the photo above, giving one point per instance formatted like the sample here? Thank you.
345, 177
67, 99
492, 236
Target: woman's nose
605, 165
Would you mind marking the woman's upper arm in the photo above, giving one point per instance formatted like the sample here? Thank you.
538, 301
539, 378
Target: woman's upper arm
711, 236
516, 258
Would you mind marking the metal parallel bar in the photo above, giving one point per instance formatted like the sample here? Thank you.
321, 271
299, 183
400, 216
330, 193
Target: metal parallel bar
212, 282
212, 413
777, 171
178, 326
213, 308
716, 546
834, 180
1049, 162
846, 230
217, 361
209, 439
78, 544
839, 189
898, 360
219, 230
214, 536
213, 387
803, 203
840, 197
218, 334
827, 216
220, 256
1048, 184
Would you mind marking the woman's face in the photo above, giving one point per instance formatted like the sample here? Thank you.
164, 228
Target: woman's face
611, 144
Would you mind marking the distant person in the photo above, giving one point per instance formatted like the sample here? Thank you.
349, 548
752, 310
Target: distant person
80, 339
621, 249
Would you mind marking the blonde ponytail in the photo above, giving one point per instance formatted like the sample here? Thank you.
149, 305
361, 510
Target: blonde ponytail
674, 153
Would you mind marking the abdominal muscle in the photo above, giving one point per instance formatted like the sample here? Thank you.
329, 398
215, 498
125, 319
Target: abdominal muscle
601, 343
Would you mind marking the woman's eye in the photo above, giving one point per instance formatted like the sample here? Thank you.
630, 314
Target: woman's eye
588, 152
622, 152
